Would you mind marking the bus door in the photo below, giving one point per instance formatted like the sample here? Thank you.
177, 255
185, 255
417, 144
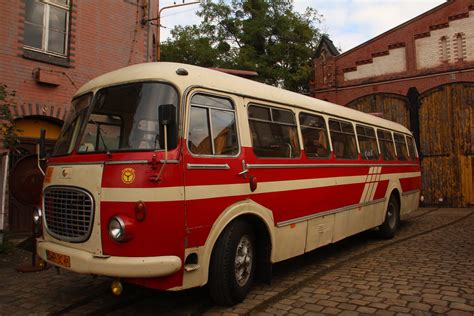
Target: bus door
215, 173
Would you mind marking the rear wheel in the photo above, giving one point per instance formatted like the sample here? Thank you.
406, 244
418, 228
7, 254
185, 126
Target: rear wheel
392, 219
233, 264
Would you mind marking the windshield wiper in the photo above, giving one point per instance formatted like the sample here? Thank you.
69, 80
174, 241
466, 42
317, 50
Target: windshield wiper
100, 131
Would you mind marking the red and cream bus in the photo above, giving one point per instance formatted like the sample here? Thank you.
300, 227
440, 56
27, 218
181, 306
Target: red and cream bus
173, 176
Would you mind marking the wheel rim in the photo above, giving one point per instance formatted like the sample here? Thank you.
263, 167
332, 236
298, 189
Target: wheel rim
243, 260
391, 215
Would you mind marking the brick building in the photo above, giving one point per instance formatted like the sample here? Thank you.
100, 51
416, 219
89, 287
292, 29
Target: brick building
48, 49
420, 74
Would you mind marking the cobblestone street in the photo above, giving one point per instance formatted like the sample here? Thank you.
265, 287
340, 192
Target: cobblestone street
428, 268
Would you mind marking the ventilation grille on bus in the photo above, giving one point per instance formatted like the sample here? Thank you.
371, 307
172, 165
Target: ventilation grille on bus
68, 213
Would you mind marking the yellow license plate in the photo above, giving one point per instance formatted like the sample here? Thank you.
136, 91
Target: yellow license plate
58, 259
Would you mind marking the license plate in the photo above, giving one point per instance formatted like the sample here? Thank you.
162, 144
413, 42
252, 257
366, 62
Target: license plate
58, 259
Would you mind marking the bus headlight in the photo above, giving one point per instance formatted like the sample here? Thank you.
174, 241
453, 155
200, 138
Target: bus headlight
121, 228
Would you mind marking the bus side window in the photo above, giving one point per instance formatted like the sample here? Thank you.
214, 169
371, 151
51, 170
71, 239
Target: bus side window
401, 146
315, 139
386, 144
343, 139
212, 127
274, 132
367, 142
411, 148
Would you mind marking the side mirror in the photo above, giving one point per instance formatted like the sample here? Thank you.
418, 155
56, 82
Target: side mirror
166, 114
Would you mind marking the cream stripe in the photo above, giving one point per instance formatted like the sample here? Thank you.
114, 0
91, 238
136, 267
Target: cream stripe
142, 194
214, 191
364, 193
374, 189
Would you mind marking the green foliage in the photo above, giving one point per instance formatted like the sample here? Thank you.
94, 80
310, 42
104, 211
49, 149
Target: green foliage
267, 36
7, 129
6, 247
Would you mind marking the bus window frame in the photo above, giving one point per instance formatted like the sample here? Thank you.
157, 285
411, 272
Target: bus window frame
395, 158
376, 141
328, 137
288, 108
188, 106
341, 120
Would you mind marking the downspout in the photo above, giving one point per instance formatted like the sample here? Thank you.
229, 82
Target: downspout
3, 189
149, 33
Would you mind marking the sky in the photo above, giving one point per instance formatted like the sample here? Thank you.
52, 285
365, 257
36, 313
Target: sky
348, 22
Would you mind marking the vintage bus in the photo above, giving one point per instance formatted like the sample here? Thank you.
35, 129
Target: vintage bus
173, 176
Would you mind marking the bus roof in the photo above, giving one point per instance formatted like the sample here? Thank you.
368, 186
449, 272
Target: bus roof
213, 79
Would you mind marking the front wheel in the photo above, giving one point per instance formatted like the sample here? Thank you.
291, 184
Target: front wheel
233, 264
392, 219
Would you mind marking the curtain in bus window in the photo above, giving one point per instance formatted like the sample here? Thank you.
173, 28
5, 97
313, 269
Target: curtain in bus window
411, 148
273, 132
401, 146
343, 139
367, 142
314, 131
386, 145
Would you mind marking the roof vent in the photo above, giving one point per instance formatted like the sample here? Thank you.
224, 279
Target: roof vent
181, 72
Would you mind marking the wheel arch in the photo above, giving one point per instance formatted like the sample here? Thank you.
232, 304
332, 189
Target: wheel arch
261, 220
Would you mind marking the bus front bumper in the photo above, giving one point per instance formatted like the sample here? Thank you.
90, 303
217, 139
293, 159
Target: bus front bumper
126, 267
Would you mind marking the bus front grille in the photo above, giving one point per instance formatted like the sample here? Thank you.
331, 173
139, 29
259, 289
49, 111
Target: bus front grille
68, 213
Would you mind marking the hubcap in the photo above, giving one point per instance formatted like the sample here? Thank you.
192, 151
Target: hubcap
243, 260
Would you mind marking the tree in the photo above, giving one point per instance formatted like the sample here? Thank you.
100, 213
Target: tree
8, 131
267, 36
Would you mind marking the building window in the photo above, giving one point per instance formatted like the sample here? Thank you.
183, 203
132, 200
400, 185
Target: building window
46, 26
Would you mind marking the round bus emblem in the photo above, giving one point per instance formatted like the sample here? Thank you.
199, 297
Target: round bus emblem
128, 175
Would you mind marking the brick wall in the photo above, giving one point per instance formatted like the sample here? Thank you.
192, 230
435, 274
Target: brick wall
366, 69
104, 35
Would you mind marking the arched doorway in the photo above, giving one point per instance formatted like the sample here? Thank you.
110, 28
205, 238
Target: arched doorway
447, 144
392, 107
25, 179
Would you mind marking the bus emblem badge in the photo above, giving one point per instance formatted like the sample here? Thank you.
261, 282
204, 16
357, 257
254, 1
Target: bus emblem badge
128, 175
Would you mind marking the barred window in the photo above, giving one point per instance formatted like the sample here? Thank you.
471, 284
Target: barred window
367, 142
386, 144
212, 127
401, 146
46, 26
343, 139
274, 132
315, 136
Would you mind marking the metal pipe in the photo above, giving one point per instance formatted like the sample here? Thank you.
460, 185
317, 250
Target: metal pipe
158, 19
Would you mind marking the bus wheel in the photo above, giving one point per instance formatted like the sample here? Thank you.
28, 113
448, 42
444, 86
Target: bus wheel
233, 264
392, 219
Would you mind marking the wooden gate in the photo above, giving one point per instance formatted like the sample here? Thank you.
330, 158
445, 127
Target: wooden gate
446, 143
392, 107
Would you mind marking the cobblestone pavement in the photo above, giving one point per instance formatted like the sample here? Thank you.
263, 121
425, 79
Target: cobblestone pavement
428, 268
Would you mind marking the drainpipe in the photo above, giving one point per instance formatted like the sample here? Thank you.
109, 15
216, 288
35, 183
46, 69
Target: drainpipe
3, 189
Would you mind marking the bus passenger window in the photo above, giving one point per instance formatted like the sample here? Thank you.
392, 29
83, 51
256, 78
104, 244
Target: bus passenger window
315, 139
274, 132
212, 127
386, 145
411, 148
401, 146
343, 139
367, 142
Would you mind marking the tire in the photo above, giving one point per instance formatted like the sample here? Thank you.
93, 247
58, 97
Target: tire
392, 219
233, 264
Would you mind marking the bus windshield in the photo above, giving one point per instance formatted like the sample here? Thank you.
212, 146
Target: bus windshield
125, 118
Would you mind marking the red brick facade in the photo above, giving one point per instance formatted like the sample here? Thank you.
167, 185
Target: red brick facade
103, 36
342, 91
